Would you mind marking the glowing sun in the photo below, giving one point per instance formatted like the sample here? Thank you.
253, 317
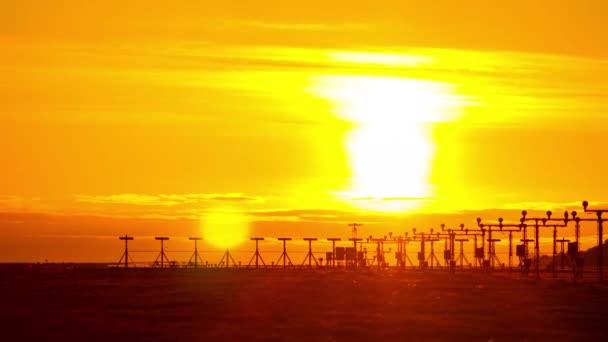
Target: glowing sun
390, 147
225, 229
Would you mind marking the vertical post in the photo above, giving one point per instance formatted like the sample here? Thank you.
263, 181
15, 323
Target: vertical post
162, 255
537, 249
432, 251
356, 263
600, 233
333, 253
554, 249
195, 254
422, 249
461, 254
257, 253
562, 255
404, 254
354, 240
310, 253
333, 250
284, 255
490, 247
452, 254
525, 242
510, 250
126, 252
284, 252
483, 241
475, 250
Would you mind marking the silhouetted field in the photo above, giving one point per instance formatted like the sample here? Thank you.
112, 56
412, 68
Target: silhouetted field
97, 304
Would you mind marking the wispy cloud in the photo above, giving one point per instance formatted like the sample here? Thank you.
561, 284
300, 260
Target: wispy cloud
296, 26
167, 199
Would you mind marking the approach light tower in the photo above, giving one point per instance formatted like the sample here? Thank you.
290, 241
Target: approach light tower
600, 236
126, 256
537, 226
355, 239
195, 256
355, 226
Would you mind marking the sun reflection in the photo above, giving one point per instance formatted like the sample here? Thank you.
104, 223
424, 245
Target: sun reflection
225, 228
390, 146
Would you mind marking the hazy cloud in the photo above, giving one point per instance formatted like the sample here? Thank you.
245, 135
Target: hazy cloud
167, 199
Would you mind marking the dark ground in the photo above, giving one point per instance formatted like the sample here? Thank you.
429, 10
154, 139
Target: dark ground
96, 304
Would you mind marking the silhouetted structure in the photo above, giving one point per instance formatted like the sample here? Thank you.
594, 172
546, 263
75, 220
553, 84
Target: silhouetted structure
422, 264
126, 256
401, 254
195, 256
379, 257
162, 256
358, 260
461, 256
257, 256
284, 256
354, 230
448, 251
432, 257
536, 220
226, 259
600, 236
333, 250
357, 254
537, 226
492, 258
562, 241
310, 256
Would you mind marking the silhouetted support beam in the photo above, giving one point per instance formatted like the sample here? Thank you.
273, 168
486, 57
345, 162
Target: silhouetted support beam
310, 256
162, 256
333, 250
432, 255
226, 259
562, 241
355, 241
284, 256
195, 255
126, 256
600, 237
461, 256
379, 251
257, 256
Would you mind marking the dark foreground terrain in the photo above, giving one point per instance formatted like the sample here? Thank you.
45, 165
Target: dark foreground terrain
88, 304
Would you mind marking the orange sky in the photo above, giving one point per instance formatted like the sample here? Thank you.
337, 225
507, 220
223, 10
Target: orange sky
148, 117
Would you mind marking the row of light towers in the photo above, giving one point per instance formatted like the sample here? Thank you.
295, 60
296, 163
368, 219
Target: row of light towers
451, 237
126, 260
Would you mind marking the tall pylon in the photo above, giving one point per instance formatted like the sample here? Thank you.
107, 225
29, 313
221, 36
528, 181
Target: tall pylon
493, 258
432, 257
333, 250
284, 256
379, 258
461, 256
310, 257
162, 256
195, 255
257, 256
354, 226
126, 257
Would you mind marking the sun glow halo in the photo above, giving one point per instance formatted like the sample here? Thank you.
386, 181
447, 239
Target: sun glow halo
225, 229
390, 147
